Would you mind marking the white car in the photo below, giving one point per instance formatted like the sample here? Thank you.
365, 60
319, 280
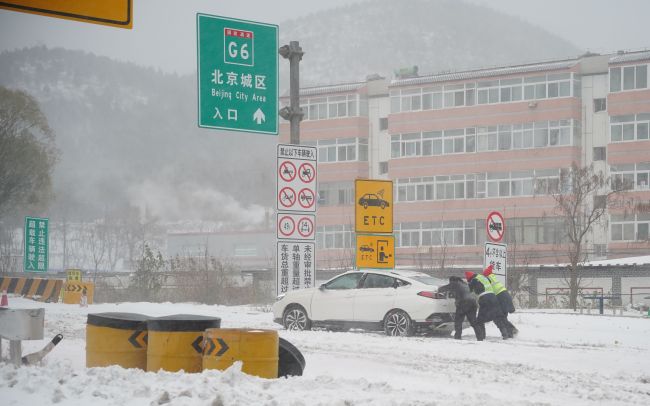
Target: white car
398, 302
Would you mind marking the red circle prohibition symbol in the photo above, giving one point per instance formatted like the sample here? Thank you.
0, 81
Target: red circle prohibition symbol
495, 226
290, 222
287, 171
310, 227
306, 198
287, 194
307, 172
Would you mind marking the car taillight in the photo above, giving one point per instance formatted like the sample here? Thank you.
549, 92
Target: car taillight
431, 295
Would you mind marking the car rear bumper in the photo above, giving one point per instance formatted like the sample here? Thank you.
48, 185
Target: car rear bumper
437, 322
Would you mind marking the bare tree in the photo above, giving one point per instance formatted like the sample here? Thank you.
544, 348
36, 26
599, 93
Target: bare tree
582, 202
95, 239
9, 249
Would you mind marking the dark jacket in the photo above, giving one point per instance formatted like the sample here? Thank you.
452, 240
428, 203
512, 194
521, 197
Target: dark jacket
459, 290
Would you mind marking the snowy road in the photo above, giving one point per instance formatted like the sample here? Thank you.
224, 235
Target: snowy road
557, 359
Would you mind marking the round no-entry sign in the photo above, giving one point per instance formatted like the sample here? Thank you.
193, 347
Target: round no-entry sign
495, 226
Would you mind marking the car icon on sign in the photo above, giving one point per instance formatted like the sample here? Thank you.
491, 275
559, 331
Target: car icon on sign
365, 248
371, 199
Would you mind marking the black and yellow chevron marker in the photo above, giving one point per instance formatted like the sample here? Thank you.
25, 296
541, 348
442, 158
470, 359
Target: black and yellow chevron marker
257, 349
176, 342
116, 339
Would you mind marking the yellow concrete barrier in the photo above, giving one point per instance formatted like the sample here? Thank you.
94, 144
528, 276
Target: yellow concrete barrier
257, 349
116, 339
176, 342
73, 291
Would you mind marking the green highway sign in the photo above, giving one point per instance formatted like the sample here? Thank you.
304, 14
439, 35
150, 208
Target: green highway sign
36, 244
237, 74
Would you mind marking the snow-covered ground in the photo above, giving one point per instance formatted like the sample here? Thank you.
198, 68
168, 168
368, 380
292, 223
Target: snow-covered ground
558, 358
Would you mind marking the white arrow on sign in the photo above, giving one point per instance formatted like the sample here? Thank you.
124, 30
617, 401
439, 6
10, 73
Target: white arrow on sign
259, 116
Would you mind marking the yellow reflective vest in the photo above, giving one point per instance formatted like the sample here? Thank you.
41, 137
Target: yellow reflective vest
486, 283
497, 287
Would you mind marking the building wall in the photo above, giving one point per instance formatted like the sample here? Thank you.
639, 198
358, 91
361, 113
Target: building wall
532, 213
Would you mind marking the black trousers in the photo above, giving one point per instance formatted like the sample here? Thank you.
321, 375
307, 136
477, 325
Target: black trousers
490, 310
505, 302
467, 309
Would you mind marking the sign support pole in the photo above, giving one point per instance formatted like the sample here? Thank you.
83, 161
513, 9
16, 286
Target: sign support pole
294, 113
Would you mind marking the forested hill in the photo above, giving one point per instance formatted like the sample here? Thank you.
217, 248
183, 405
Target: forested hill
379, 36
128, 134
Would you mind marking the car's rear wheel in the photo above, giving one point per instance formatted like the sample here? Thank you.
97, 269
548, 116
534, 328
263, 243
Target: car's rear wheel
382, 205
398, 323
365, 205
295, 318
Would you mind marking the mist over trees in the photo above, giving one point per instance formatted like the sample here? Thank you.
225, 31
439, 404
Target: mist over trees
27, 154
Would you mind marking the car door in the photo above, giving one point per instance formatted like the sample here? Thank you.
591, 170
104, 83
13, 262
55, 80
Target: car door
374, 298
335, 299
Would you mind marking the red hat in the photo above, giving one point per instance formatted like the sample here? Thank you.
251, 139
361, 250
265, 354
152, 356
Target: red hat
488, 271
469, 275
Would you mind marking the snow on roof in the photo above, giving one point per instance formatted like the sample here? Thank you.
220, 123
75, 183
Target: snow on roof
630, 57
481, 73
641, 260
328, 89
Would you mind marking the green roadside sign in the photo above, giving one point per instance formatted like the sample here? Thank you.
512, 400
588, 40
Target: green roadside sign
237, 69
36, 244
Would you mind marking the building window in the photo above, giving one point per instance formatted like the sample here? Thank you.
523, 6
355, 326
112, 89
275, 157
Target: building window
335, 193
331, 107
334, 237
383, 123
600, 153
628, 78
630, 227
478, 186
629, 127
600, 105
383, 168
484, 92
540, 134
630, 176
438, 233
341, 149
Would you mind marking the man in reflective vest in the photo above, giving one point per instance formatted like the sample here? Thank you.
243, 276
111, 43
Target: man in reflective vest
489, 309
504, 298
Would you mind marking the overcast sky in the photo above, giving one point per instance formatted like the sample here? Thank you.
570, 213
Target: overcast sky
164, 33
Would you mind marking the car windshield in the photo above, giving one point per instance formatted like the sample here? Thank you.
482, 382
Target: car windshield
429, 280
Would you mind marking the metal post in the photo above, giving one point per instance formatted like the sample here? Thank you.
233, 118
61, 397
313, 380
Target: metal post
15, 352
601, 304
294, 113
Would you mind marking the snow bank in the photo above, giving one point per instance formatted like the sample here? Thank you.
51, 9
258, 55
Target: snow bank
557, 359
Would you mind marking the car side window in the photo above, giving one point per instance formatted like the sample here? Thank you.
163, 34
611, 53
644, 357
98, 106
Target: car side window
349, 281
374, 281
399, 282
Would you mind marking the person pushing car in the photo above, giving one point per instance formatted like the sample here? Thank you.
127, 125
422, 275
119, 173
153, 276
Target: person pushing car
489, 309
465, 307
504, 298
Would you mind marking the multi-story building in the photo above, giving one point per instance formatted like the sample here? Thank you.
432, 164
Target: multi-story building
459, 145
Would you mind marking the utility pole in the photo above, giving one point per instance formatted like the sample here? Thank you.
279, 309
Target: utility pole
293, 113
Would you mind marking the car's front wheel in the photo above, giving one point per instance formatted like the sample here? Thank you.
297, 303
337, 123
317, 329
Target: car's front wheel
398, 323
295, 318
